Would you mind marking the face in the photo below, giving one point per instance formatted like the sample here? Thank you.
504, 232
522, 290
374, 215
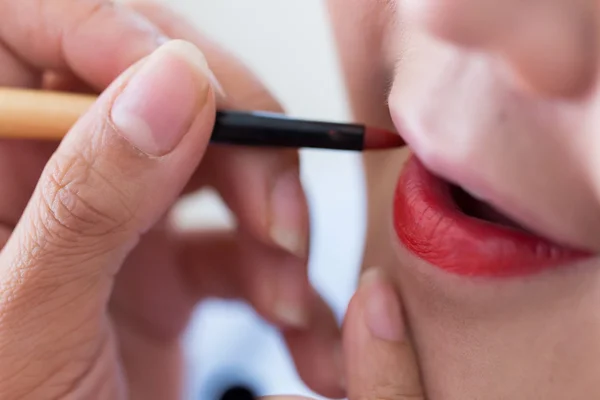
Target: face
490, 222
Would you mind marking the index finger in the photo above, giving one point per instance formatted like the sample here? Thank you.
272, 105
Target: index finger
95, 39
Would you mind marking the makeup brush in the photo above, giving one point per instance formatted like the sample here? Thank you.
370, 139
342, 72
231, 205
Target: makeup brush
47, 115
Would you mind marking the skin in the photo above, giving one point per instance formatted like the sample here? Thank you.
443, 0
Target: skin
104, 317
517, 338
381, 362
96, 286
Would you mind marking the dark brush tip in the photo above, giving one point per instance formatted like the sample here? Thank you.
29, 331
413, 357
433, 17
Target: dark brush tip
376, 138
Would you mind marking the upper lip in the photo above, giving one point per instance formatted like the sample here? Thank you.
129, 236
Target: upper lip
430, 224
462, 174
458, 171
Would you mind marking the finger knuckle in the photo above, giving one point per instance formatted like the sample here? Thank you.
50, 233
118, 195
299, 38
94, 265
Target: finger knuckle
86, 12
77, 201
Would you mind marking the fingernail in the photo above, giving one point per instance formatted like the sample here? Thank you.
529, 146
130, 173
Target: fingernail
291, 302
289, 226
163, 98
217, 87
382, 307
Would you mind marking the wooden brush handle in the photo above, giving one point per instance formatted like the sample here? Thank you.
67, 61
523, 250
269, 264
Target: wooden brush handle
37, 114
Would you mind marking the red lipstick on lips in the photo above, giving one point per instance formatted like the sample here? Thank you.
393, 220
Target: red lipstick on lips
429, 222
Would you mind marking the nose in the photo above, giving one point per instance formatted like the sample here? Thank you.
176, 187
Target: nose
549, 46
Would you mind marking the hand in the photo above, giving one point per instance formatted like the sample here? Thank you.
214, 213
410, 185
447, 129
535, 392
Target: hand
380, 361
96, 286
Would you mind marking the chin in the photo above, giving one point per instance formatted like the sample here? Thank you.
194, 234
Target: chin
491, 317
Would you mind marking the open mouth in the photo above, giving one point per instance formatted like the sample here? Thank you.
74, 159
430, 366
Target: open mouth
447, 227
477, 209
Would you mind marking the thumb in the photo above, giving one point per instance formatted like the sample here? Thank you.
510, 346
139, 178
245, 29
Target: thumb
380, 361
113, 176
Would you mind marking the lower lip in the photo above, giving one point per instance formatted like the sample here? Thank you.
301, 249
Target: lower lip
430, 225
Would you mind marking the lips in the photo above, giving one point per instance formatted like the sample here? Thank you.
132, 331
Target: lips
446, 227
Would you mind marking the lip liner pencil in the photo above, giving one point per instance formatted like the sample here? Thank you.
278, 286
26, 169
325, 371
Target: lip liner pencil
48, 115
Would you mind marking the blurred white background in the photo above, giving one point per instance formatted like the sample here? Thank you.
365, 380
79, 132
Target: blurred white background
289, 45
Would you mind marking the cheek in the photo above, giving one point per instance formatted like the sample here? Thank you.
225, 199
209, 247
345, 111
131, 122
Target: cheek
382, 171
